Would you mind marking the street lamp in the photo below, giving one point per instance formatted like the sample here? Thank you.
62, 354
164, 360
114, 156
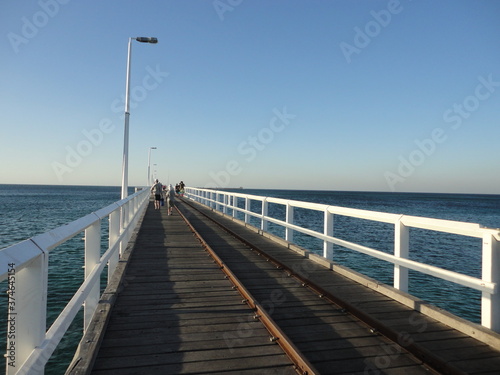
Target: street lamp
149, 165
127, 114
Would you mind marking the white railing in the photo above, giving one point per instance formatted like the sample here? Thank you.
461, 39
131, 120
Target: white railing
25, 267
488, 284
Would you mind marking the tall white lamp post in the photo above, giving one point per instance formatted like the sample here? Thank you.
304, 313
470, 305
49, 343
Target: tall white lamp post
149, 166
127, 114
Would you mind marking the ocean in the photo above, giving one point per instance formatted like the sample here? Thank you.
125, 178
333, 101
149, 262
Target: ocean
28, 210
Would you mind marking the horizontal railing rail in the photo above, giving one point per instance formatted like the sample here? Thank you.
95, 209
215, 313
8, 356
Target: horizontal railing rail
25, 267
488, 284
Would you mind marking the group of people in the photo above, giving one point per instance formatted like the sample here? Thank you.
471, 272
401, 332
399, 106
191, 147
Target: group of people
164, 193
179, 188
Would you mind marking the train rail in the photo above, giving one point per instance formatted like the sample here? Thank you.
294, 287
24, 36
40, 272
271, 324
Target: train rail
319, 331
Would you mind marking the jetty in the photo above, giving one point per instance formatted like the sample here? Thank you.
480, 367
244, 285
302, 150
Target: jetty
207, 290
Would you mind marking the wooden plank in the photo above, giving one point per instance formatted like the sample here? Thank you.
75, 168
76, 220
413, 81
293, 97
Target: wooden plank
339, 344
272, 354
316, 332
160, 346
217, 329
325, 320
453, 344
370, 366
258, 365
478, 365
190, 342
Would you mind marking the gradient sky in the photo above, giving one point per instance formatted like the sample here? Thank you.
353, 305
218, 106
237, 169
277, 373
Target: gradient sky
299, 94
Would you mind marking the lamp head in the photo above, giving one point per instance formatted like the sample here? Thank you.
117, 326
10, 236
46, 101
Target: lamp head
144, 39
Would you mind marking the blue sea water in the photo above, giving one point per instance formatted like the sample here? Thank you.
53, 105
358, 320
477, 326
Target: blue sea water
28, 210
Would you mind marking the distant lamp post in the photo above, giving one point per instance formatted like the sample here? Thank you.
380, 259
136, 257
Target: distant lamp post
127, 114
149, 166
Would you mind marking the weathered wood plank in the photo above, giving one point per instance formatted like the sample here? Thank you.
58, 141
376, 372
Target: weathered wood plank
270, 353
257, 365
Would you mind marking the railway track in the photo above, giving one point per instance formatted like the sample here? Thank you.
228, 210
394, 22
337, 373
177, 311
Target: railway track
321, 333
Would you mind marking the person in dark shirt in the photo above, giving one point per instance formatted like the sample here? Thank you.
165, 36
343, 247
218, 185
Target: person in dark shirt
156, 189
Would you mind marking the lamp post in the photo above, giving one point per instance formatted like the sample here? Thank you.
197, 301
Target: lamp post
149, 165
127, 114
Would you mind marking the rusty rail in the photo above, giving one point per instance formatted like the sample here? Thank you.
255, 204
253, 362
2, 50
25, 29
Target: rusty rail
302, 365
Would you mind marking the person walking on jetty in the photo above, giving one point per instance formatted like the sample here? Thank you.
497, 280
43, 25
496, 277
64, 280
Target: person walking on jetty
156, 189
181, 188
170, 199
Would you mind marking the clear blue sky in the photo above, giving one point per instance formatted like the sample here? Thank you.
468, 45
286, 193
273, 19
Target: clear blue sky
335, 95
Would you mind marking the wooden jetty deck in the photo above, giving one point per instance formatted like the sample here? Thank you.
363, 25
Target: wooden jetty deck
176, 313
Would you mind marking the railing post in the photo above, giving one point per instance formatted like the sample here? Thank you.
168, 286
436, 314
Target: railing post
235, 205
265, 208
226, 202
114, 233
247, 208
289, 220
136, 205
131, 210
230, 203
328, 231
26, 321
128, 212
123, 225
490, 303
401, 250
92, 256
